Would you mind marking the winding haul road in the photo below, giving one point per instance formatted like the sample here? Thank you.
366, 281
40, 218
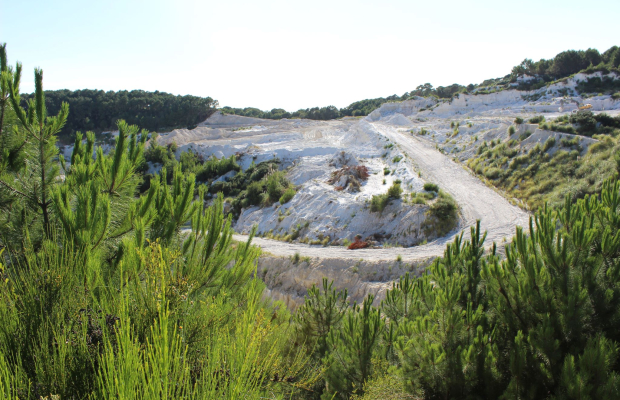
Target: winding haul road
477, 202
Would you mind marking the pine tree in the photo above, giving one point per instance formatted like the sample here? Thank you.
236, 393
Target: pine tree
96, 204
32, 182
558, 295
321, 312
444, 343
351, 350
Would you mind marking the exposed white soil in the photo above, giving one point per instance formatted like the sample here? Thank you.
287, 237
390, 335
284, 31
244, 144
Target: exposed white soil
311, 151
308, 148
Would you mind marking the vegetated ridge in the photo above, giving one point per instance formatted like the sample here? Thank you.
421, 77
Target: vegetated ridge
537, 74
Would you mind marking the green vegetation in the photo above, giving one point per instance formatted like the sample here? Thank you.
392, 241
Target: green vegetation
571, 62
262, 184
190, 162
422, 198
442, 216
537, 177
287, 195
537, 119
431, 187
380, 201
101, 297
98, 111
322, 113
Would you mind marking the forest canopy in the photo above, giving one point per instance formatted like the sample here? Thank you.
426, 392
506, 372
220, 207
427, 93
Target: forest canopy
98, 111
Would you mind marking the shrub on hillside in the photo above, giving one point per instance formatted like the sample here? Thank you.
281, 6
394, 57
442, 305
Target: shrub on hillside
442, 216
549, 143
431, 187
287, 195
253, 194
379, 202
276, 185
536, 120
395, 191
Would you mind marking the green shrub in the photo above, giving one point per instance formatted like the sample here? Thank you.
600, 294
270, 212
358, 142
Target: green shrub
431, 187
253, 194
518, 121
213, 168
586, 122
276, 185
415, 199
397, 159
443, 215
386, 171
287, 195
379, 202
549, 143
537, 120
395, 191
511, 130
492, 173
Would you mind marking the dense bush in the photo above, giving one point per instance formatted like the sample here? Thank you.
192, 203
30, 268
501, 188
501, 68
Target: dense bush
570, 62
536, 120
431, 187
379, 202
287, 195
395, 191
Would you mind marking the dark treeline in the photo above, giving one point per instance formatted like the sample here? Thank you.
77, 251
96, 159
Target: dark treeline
98, 111
570, 62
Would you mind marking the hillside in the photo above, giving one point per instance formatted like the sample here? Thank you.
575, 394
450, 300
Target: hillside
528, 75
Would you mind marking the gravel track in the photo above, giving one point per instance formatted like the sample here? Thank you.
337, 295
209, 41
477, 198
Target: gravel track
477, 202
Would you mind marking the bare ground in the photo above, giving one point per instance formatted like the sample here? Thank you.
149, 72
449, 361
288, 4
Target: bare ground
477, 202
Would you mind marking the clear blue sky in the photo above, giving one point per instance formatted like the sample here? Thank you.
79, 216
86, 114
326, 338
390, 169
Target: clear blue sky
292, 54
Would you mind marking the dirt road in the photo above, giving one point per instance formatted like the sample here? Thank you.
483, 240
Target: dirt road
477, 201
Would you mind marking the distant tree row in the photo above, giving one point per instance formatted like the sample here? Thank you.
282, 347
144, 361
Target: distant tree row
356, 109
569, 62
322, 113
98, 111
